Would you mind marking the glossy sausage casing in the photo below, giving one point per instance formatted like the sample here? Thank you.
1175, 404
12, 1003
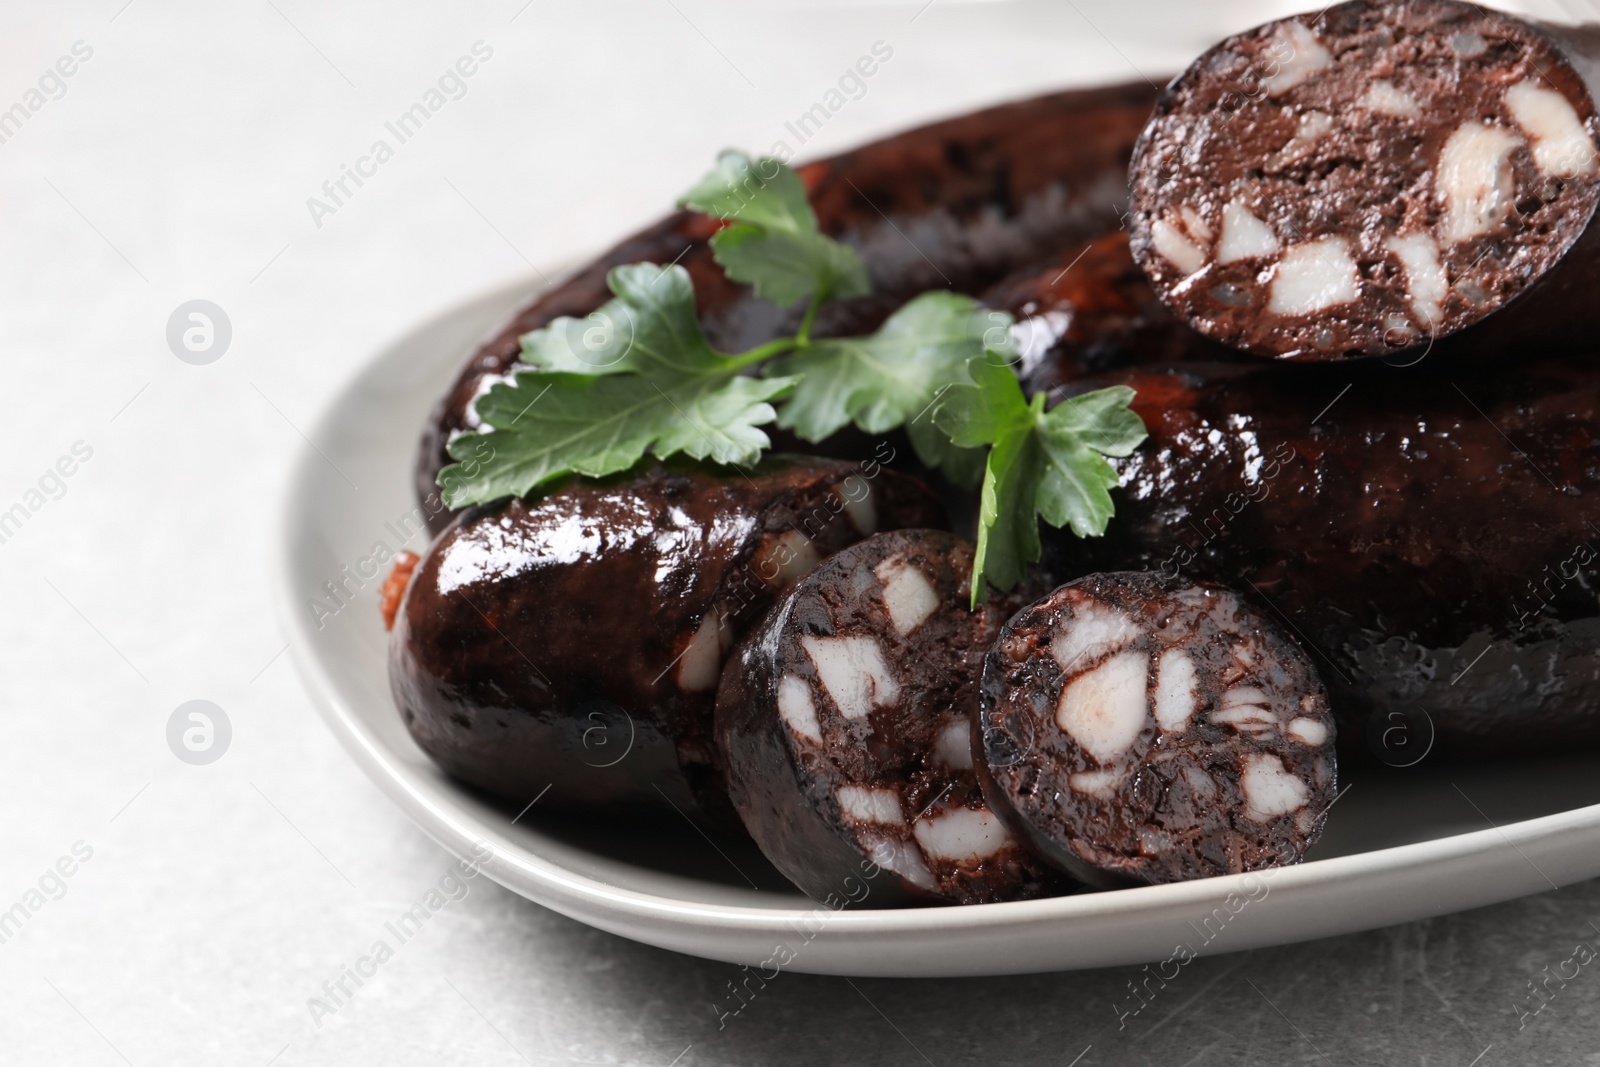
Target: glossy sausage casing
954, 205
575, 641
1087, 310
1430, 537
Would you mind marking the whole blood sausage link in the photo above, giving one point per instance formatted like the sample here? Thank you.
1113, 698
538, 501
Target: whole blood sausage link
575, 641
1430, 536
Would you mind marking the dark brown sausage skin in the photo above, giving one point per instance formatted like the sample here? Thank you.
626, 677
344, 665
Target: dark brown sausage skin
575, 641
955, 205
1379, 176
1401, 528
846, 722
1087, 310
1139, 730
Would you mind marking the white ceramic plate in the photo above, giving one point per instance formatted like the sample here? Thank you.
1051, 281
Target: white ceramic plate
1400, 844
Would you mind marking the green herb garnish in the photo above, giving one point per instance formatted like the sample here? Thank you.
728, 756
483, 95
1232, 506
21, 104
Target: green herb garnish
645, 381
1050, 464
772, 241
594, 396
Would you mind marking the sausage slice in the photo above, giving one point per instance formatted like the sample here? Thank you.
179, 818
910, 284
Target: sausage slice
846, 723
1374, 177
1139, 731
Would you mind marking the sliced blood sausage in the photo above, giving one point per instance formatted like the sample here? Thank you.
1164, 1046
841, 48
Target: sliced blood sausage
1138, 730
1430, 536
1088, 310
575, 641
956, 204
846, 721
1375, 177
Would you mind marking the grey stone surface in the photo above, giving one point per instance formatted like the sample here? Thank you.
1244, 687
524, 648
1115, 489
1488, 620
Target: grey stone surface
1447, 991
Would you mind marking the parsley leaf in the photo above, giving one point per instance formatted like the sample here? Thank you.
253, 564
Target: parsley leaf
663, 390
774, 243
895, 377
592, 396
1042, 464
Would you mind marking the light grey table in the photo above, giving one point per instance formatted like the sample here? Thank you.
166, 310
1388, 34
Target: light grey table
207, 905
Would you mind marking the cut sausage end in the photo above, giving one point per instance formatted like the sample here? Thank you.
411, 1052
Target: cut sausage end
846, 720
1349, 219
1231, 772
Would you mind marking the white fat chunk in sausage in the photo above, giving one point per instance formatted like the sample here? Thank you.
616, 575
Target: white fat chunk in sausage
1426, 282
961, 834
1175, 247
1269, 789
1195, 223
901, 857
1314, 276
1095, 631
1243, 235
1475, 183
784, 557
1202, 783
796, 707
1386, 98
867, 804
954, 747
1298, 54
1245, 694
863, 509
1561, 146
1175, 690
1314, 125
853, 672
1308, 731
1097, 783
908, 596
1247, 709
701, 664
1106, 709
1247, 719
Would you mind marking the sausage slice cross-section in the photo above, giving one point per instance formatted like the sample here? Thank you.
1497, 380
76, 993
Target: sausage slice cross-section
846, 723
1376, 177
1141, 731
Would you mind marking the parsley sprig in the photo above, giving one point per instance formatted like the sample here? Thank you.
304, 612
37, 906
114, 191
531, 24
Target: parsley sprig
1050, 464
594, 396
